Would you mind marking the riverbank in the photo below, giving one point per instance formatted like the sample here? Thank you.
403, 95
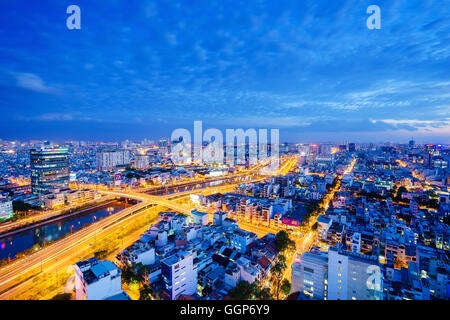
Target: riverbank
21, 243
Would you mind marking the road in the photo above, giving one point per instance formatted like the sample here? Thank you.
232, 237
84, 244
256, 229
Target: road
5, 227
305, 242
186, 183
65, 252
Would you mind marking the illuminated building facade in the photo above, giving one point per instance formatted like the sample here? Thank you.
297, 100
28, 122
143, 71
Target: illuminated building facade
179, 274
6, 209
353, 276
49, 169
309, 275
111, 159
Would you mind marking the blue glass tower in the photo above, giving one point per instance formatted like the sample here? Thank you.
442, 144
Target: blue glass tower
49, 169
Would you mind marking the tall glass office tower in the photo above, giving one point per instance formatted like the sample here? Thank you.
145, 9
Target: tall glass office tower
49, 169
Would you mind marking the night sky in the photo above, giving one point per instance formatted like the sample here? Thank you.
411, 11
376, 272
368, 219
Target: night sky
139, 69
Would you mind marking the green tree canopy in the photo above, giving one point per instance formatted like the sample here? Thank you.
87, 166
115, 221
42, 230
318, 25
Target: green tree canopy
283, 242
243, 291
285, 287
276, 272
62, 296
145, 293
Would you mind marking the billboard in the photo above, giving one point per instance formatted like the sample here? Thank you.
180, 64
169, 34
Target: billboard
290, 222
117, 179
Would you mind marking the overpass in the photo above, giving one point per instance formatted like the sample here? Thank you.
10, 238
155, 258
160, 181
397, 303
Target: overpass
231, 182
64, 252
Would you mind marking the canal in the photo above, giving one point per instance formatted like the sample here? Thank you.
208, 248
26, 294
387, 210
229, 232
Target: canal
11, 246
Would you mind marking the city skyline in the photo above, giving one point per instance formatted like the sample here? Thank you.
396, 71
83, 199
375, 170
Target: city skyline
155, 142
141, 69
225, 155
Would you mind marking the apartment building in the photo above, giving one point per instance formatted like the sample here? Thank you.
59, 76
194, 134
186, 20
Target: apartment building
179, 274
310, 275
353, 276
98, 280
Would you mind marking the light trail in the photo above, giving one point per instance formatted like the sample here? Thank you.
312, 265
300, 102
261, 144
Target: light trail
64, 252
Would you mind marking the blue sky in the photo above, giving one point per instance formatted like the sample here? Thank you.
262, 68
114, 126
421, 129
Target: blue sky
139, 69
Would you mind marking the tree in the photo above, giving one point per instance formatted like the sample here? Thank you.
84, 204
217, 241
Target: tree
283, 242
101, 254
432, 194
21, 206
62, 296
243, 291
286, 287
312, 207
145, 293
128, 276
399, 193
276, 272
141, 272
249, 291
262, 293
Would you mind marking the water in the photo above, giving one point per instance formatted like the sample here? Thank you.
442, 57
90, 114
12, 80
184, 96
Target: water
11, 246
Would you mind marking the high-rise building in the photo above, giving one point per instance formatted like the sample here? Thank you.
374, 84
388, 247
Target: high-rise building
351, 147
314, 148
164, 144
49, 169
353, 276
325, 148
141, 162
309, 275
179, 274
111, 159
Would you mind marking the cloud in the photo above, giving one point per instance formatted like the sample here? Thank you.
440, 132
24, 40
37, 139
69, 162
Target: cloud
33, 82
171, 38
298, 65
150, 10
55, 117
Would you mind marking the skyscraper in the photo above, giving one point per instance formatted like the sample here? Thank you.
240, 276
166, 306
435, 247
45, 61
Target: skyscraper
110, 159
429, 151
141, 161
164, 144
353, 276
309, 275
351, 147
49, 169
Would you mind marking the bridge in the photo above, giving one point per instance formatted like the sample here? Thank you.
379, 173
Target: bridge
64, 252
